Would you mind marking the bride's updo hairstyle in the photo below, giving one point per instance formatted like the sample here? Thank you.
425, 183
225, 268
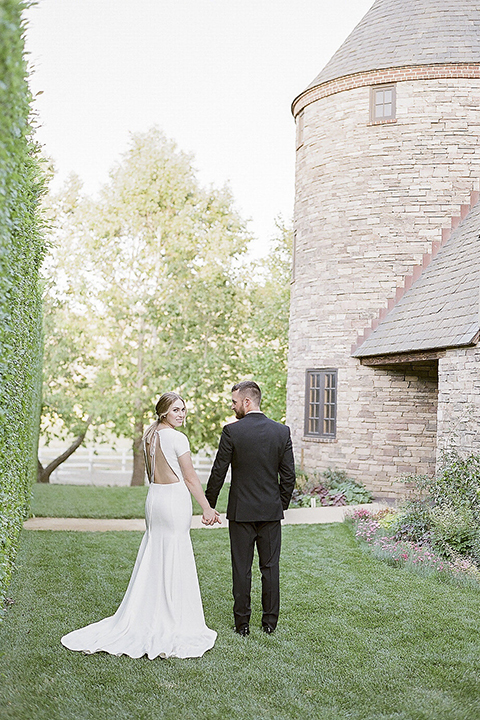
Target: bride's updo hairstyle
164, 404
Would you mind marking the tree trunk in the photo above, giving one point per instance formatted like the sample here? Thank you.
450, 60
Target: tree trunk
43, 473
138, 474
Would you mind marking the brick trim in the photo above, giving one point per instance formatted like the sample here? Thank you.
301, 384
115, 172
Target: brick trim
380, 77
417, 270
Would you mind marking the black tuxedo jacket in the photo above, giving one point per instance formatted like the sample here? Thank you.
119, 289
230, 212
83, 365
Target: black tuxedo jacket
259, 451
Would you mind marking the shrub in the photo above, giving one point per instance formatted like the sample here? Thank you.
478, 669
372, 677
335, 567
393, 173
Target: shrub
354, 493
454, 530
445, 509
21, 251
335, 489
301, 480
334, 477
339, 483
457, 483
413, 522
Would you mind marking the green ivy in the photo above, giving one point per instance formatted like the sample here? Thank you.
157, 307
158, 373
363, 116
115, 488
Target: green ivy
21, 252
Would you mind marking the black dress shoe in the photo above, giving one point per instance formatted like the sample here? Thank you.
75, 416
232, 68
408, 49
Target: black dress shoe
267, 629
243, 630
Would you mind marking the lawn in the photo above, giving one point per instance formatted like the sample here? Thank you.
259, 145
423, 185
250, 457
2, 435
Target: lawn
98, 502
358, 639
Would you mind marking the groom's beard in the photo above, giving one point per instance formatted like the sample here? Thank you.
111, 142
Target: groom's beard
240, 413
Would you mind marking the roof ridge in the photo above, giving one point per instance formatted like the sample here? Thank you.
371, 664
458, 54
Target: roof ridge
417, 270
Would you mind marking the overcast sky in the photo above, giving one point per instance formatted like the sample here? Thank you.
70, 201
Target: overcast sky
217, 76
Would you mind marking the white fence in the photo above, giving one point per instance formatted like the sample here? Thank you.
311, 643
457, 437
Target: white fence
101, 465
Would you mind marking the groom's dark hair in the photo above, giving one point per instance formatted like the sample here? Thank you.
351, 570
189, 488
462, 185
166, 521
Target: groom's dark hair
249, 388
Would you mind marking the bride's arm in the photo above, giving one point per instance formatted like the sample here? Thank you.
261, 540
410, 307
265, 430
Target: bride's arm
210, 516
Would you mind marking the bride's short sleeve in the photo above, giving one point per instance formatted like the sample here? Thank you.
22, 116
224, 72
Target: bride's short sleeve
182, 445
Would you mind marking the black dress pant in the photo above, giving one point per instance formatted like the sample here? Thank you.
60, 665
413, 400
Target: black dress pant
267, 537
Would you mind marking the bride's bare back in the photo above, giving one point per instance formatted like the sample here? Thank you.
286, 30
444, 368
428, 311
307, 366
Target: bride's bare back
163, 473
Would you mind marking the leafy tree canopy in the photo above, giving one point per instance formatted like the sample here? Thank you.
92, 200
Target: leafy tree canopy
269, 297
145, 295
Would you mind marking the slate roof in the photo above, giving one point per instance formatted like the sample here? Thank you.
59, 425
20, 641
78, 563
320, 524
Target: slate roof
442, 308
398, 33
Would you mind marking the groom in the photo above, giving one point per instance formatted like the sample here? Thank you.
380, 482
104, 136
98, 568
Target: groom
259, 451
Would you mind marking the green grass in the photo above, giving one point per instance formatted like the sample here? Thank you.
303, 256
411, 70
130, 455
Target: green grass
98, 502
357, 639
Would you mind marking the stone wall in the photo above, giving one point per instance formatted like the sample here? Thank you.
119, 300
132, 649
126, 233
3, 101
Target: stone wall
459, 400
386, 426
370, 200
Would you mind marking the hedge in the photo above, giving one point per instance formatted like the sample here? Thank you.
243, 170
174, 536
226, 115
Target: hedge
21, 252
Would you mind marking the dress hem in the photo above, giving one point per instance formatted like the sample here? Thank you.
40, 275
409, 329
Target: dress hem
162, 655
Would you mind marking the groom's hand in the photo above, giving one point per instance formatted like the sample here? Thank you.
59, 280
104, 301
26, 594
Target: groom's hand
210, 517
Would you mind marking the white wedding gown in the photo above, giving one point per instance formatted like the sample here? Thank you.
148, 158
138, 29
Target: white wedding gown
161, 613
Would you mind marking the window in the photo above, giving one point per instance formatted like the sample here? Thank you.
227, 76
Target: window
382, 103
300, 125
321, 403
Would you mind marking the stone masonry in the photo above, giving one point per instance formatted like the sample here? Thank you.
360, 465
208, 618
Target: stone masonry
386, 426
459, 400
370, 201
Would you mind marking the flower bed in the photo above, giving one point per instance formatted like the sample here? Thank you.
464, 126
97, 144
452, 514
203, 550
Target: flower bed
376, 530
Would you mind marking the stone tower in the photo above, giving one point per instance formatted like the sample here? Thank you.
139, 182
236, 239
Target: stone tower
388, 152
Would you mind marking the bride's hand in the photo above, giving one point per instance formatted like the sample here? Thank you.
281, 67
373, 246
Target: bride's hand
210, 517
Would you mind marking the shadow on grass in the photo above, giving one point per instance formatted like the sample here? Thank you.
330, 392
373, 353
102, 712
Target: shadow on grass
357, 638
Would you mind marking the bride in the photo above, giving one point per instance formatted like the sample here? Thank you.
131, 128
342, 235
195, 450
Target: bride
161, 613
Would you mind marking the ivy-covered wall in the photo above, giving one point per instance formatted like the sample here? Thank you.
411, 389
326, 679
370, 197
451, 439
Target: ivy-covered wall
21, 252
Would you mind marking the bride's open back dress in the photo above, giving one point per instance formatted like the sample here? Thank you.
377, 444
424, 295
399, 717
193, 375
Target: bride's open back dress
161, 613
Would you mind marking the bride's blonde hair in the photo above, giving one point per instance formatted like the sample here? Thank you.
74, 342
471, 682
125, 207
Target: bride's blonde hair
161, 409
164, 404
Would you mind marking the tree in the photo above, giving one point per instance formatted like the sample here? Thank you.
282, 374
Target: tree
269, 298
69, 397
154, 300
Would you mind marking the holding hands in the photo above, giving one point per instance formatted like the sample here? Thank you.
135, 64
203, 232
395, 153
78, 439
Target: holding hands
211, 516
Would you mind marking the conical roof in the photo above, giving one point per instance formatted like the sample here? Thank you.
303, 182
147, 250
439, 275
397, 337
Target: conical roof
399, 33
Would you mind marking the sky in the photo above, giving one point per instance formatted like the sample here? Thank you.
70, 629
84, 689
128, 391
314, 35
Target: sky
217, 76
